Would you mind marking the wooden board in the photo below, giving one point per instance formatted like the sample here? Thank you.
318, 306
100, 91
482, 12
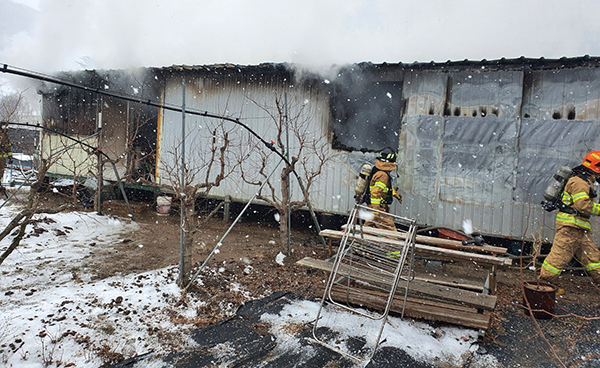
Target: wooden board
422, 249
326, 266
430, 240
415, 308
416, 287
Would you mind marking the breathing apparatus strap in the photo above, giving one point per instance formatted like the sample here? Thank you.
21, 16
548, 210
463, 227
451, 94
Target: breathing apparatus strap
570, 210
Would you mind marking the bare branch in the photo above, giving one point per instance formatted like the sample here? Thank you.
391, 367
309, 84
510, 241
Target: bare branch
307, 153
13, 107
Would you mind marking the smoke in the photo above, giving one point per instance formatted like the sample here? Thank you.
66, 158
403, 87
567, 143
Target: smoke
320, 36
114, 34
366, 112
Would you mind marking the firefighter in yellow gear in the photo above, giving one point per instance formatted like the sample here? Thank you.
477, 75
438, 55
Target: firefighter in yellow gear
381, 191
573, 228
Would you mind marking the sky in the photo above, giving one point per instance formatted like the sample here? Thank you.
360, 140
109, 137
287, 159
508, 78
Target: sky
48, 36
107, 34
53, 309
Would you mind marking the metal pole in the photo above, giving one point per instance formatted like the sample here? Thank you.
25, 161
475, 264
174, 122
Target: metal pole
99, 158
289, 192
122, 188
182, 201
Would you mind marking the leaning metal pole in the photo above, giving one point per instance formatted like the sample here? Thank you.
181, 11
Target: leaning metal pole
220, 242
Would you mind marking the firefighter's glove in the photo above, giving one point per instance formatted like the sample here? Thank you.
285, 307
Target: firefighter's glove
396, 195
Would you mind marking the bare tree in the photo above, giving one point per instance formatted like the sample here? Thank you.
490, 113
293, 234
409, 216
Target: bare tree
138, 149
204, 167
71, 159
307, 153
13, 107
23, 218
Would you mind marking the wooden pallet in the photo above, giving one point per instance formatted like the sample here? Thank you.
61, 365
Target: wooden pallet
461, 303
458, 253
452, 304
419, 308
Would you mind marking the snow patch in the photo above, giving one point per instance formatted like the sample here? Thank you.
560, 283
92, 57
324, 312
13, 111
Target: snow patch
422, 342
279, 259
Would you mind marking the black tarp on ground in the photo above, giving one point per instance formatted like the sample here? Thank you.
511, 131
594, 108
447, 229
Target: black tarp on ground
517, 343
250, 345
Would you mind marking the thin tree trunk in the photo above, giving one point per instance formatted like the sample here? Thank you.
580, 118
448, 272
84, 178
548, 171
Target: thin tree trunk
283, 216
17, 239
26, 215
188, 227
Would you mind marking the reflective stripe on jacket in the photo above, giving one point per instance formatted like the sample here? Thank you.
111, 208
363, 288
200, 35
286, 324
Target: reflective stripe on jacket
576, 195
379, 191
551, 268
380, 182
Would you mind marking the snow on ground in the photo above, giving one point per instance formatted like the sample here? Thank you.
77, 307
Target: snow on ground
446, 346
52, 313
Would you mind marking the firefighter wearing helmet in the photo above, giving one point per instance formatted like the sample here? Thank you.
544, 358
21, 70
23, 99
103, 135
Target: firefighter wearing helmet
381, 191
573, 226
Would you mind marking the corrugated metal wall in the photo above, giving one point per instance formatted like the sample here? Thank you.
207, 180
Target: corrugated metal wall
252, 100
490, 155
476, 142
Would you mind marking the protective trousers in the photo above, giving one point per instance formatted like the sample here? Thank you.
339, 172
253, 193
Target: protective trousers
381, 219
568, 242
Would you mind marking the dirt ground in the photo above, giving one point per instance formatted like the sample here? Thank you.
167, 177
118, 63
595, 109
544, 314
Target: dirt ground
248, 255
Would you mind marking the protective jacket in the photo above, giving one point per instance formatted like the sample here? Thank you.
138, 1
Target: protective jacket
577, 196
380, 186
573, 229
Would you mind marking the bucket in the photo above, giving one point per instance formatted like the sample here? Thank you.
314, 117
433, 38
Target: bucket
163, 205
541, 296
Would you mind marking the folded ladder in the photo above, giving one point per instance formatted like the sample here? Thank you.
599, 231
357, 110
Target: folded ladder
371, 269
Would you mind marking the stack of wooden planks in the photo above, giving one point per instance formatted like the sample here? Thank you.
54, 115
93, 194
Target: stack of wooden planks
445, 300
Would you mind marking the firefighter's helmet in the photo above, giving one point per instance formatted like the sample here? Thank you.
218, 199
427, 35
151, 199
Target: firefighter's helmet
388, 155
592, 161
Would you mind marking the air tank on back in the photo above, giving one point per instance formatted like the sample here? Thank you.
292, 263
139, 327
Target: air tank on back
557, 184
361, 184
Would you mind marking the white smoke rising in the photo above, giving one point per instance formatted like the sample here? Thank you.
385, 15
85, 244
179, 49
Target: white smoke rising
115, 34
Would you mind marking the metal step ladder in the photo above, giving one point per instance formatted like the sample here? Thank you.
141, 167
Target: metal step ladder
365, 277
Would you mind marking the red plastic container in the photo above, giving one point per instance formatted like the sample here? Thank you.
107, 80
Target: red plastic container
541, 296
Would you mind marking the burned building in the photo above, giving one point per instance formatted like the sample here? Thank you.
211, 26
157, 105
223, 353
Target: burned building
477, 140
124, 130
